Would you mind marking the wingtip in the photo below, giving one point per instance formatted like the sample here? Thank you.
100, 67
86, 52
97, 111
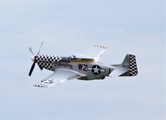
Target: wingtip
99, 46
40, 85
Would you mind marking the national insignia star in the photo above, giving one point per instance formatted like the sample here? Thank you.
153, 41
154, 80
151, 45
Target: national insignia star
96, 70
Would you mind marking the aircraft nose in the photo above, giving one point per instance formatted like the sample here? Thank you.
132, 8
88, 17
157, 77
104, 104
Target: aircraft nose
33, 58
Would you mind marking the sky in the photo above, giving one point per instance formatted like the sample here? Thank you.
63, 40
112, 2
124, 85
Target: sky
68, 27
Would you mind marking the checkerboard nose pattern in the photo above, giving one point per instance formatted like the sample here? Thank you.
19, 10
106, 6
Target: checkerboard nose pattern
46, 61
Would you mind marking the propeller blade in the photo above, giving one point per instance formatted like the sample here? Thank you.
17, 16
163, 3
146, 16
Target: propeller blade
31, 70
40, 48
33, 65
31, 50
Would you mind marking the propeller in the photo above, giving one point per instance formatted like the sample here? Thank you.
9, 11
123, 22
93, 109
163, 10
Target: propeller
34, 58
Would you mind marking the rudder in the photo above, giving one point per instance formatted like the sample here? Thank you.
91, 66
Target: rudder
130, 63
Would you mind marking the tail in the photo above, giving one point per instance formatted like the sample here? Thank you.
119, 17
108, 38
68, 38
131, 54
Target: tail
127, 68
130, 62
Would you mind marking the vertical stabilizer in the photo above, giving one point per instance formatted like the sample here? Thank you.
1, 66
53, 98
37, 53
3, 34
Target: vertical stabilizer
130, 62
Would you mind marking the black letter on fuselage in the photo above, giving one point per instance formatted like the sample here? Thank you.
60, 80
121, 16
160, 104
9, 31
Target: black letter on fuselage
85, 67
80, 66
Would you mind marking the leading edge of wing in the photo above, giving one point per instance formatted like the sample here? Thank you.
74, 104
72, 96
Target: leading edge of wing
59, 76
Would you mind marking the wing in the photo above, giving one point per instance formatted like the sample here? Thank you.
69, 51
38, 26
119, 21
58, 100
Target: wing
62, 75
95, 52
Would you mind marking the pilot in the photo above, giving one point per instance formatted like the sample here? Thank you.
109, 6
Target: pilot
73, 57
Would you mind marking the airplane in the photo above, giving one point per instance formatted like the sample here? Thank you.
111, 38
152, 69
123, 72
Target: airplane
83, 66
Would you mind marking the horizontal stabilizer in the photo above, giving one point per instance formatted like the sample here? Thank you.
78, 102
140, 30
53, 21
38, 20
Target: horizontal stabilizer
127, 68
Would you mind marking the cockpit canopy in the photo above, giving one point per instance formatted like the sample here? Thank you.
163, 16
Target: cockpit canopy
80, 57
75, 57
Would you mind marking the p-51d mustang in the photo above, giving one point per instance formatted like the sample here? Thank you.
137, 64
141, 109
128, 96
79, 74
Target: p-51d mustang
81, 66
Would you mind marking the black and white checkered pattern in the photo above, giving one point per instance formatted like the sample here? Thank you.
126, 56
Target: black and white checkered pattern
46, 61
132, 66
40, 85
